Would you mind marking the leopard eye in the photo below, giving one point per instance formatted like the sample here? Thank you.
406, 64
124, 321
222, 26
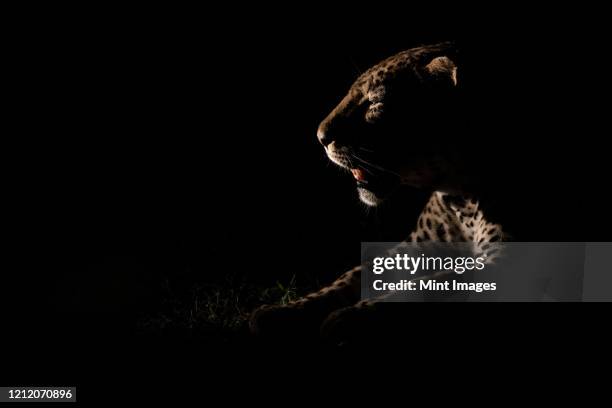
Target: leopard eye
374, 112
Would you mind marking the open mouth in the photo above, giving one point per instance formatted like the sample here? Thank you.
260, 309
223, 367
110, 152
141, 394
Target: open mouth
378, 182
358, 174
368, 174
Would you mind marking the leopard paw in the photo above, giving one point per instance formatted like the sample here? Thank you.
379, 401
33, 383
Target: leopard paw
347, 325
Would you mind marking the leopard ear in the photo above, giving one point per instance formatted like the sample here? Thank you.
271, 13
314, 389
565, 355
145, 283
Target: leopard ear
442, 68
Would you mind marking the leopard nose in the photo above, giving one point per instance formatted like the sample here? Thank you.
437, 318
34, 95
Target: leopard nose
323, 135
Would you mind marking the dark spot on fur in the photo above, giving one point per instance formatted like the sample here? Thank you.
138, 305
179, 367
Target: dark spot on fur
440, 232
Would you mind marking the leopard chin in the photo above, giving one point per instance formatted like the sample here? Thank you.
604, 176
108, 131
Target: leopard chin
369, 198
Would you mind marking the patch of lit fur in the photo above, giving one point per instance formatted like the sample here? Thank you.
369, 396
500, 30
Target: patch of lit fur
339, 159
368, 197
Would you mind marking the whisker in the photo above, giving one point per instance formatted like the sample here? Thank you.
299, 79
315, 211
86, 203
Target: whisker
350, 162
375, 166
366, 169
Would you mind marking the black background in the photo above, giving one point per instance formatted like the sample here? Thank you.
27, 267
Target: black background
172, 140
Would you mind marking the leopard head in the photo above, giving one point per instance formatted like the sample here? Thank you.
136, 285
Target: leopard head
396, 124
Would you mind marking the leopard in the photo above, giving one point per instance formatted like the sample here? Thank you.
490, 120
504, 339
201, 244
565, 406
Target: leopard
401, 124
